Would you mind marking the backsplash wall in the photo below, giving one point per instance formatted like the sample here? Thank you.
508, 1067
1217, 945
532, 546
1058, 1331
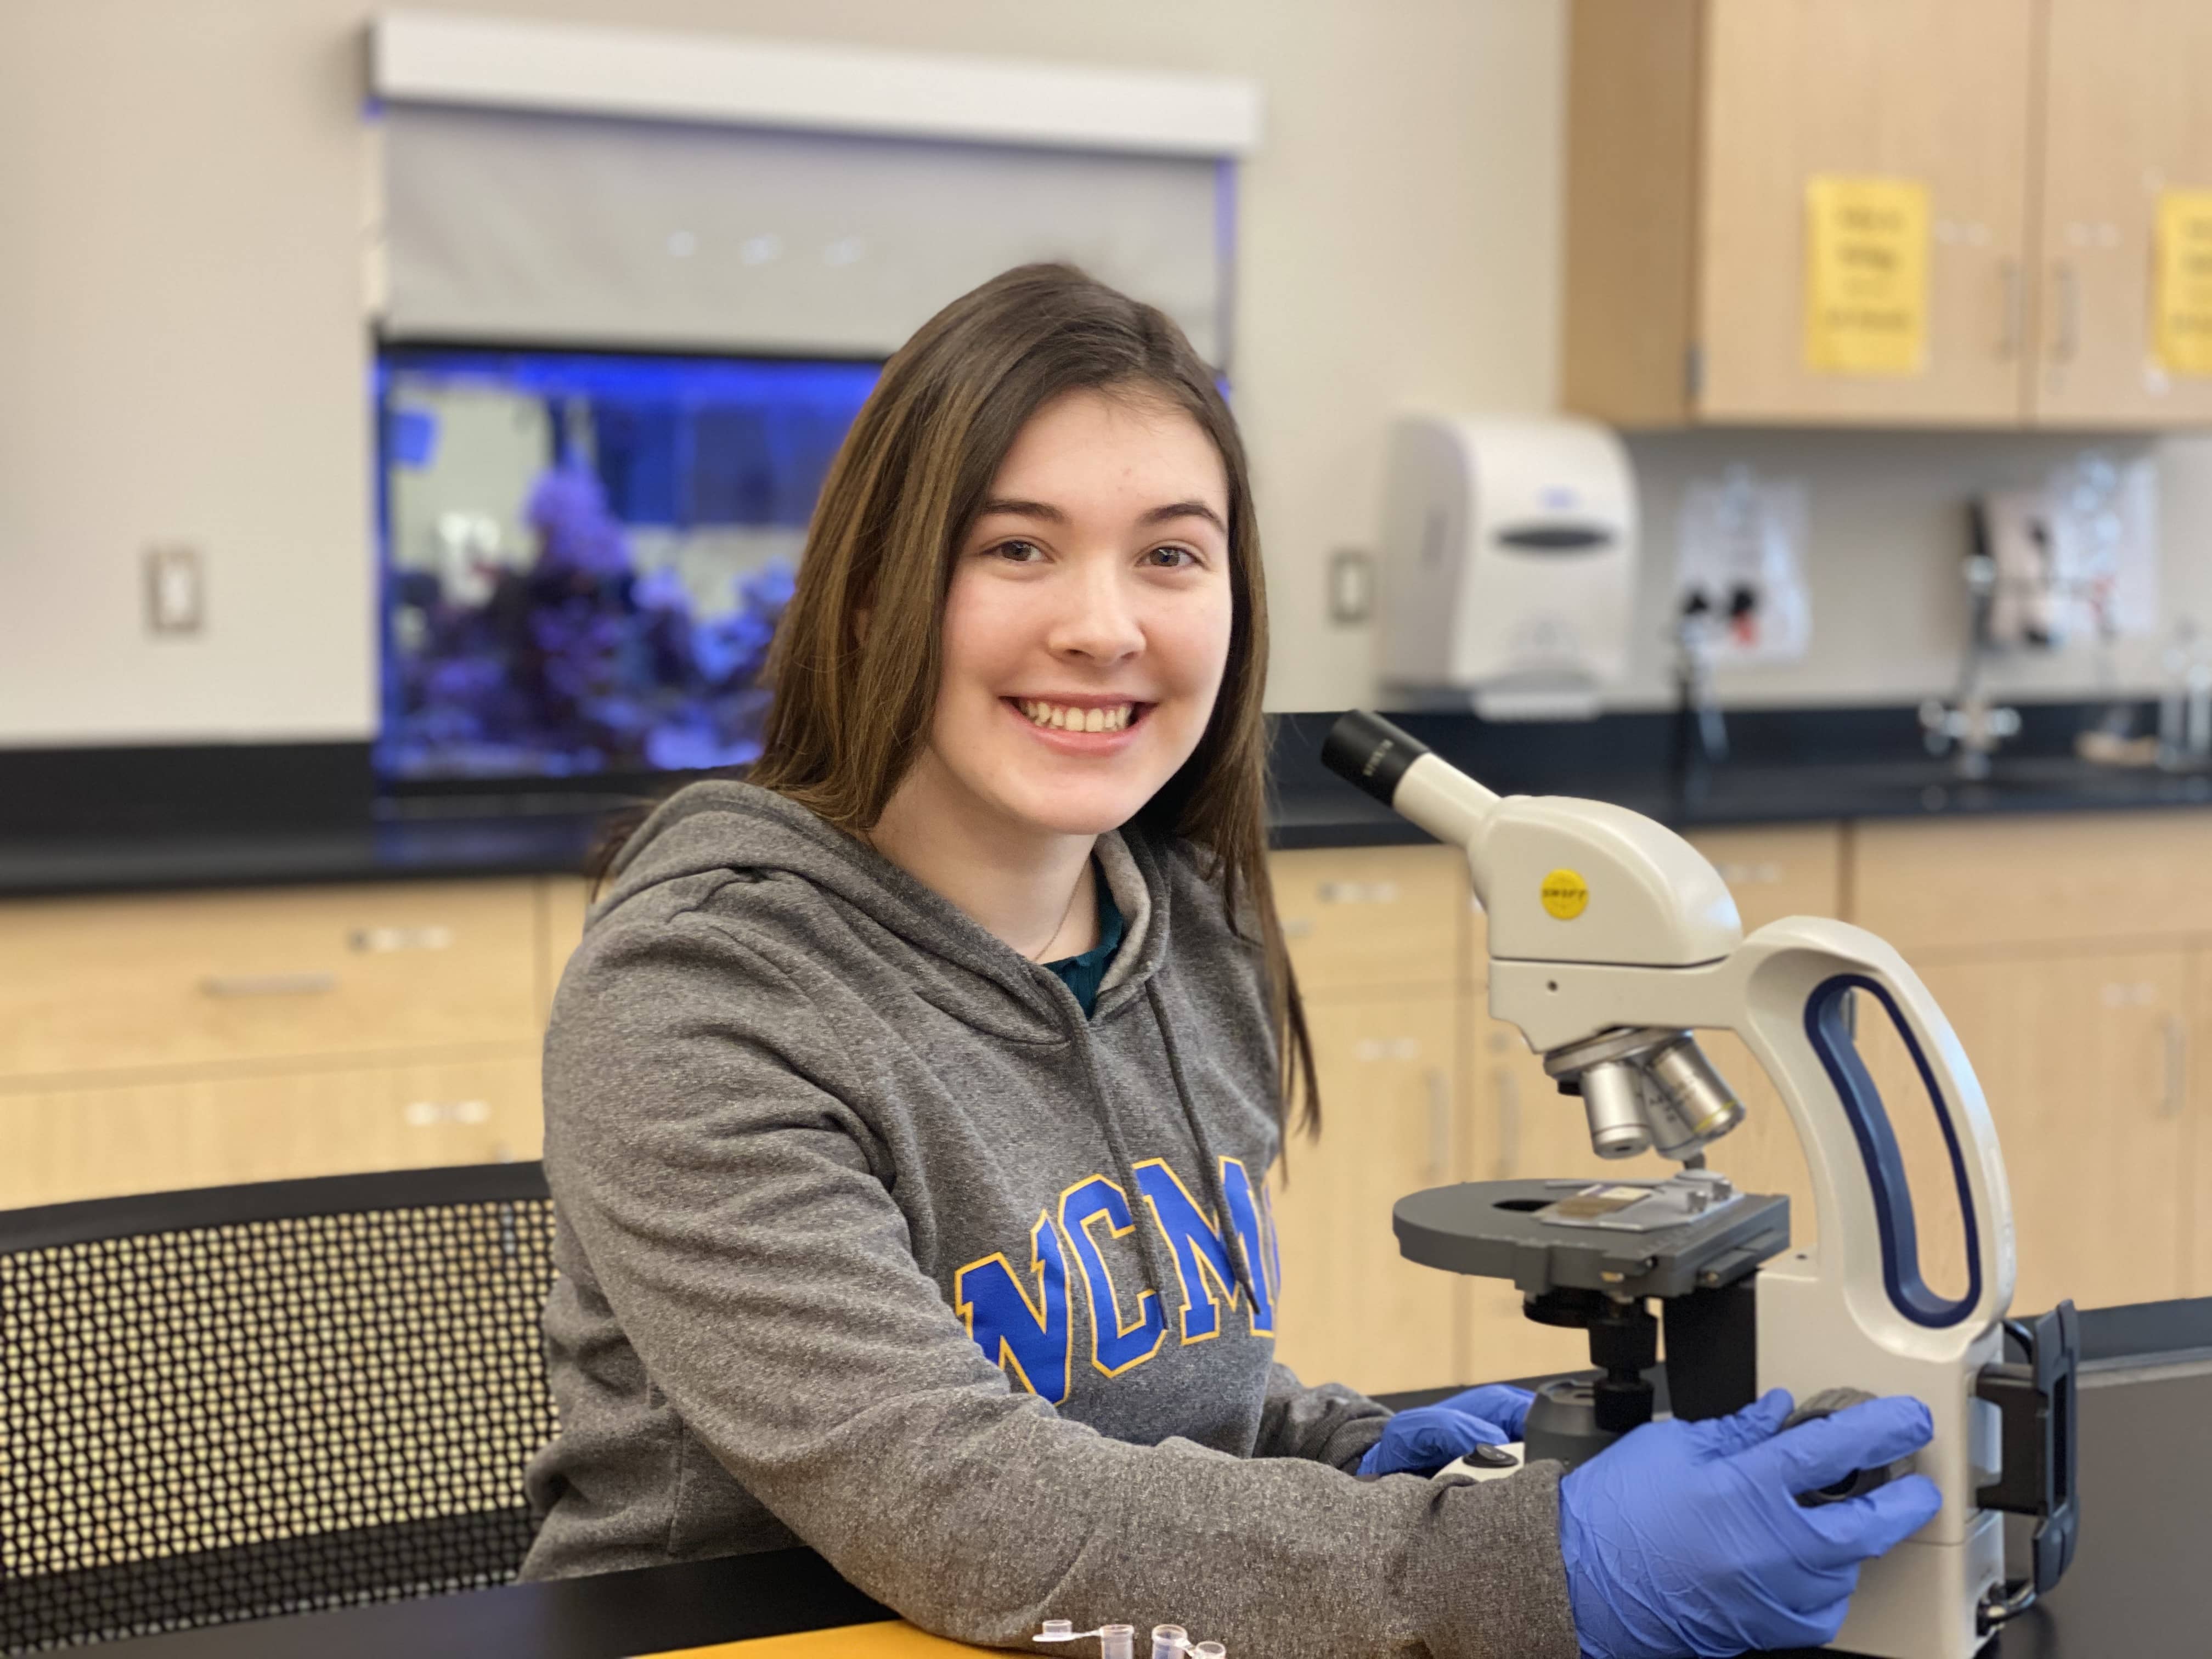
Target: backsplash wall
1887, 529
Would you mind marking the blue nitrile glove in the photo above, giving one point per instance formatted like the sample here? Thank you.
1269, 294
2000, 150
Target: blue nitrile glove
1423, 1440
1686, 1539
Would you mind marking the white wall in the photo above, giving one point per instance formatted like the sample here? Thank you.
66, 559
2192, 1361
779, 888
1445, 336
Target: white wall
182, 351
1886, 528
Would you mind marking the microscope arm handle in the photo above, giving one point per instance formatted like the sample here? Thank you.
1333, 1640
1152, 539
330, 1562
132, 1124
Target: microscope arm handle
1804, 995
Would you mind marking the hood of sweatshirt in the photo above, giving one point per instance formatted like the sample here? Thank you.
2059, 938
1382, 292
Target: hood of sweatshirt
713, 832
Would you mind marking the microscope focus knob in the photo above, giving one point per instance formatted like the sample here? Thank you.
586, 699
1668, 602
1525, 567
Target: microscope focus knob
1858, 1482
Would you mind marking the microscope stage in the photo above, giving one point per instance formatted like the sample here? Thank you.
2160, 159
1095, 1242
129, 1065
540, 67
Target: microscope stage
1620, 1238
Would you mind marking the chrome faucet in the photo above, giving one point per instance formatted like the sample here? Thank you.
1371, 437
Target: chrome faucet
1700, 730
1971, 725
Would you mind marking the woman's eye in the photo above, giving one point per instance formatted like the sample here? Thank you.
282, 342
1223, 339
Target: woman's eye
1018, 552
1170, 557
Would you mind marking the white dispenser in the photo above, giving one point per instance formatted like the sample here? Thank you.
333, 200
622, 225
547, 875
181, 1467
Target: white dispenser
1509, 563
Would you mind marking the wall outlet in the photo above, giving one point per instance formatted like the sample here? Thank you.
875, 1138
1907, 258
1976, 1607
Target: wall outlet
176, 592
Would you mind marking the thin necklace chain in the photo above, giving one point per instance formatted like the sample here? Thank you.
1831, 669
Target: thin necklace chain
1037, 955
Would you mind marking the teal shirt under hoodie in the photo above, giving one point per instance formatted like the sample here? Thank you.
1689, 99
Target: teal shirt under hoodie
870, 1239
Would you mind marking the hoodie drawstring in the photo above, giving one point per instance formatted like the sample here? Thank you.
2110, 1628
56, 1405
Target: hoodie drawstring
1147, 1248
1216, 1192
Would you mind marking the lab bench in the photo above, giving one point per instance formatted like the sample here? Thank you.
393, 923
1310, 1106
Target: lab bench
238, 1002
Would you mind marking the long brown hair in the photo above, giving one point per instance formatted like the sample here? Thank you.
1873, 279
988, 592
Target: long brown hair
852, 705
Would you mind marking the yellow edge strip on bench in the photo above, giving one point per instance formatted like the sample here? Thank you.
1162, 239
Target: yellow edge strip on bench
891, 1638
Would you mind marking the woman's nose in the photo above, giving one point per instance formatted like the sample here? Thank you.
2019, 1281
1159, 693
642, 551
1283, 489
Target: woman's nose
1099, 622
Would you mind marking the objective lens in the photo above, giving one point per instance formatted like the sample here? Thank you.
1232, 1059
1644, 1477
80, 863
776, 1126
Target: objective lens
1612, 1101
1688, 1103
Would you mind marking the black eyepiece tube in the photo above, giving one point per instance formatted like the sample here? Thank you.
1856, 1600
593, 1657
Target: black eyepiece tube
1366, 749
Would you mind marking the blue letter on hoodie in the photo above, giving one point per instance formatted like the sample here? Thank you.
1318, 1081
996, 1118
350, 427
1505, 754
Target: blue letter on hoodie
1201, 1251
1031, 1341
1114, 1347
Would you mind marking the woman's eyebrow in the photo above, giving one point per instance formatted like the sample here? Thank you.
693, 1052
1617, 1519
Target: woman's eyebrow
1051, 515
1185, 510
1020, 509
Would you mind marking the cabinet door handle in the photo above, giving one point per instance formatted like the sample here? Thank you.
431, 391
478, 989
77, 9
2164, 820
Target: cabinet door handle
2066, 332
1439, 1126
1507, 1088
2015, 309
268, 985
2177, 1066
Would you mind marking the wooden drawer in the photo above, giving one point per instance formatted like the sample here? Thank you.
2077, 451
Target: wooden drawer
1967, 885
57, 1145
1359, 917
89, 985
1350, 1308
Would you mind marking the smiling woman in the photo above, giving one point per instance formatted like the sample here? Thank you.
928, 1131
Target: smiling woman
910, 1104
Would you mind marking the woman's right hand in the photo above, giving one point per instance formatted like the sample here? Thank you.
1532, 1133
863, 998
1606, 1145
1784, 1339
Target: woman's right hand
1686, 1539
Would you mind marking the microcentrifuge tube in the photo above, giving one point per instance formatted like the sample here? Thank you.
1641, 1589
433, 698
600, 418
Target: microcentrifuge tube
1114, 1641
1169, 1641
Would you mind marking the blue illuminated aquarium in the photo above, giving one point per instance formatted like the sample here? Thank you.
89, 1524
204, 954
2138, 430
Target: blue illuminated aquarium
585, 554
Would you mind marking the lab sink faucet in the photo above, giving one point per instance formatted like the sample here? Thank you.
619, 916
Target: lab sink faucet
1970, 726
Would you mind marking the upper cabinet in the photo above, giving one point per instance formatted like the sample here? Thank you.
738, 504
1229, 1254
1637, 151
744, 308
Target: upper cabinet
2125, 229
1887, 212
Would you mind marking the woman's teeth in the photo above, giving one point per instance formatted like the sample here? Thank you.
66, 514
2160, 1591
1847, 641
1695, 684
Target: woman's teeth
1061, 718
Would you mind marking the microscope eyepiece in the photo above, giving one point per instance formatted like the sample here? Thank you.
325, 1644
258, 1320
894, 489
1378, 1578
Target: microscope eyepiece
1367, 750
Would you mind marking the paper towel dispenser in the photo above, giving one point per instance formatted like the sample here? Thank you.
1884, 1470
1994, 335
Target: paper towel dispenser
1509, 564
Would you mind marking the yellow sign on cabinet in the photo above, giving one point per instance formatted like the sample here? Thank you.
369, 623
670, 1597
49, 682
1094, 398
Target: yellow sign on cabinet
2181, 295
1866, 276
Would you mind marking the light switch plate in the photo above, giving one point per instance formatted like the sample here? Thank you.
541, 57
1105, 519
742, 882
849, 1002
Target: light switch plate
1351, 586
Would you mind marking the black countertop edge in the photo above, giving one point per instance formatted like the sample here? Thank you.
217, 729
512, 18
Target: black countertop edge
658, 1609
94, 821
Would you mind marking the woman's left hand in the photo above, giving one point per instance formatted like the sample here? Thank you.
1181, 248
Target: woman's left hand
1423, 1440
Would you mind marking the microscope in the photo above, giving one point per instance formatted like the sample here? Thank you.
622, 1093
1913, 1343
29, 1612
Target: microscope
1612, 942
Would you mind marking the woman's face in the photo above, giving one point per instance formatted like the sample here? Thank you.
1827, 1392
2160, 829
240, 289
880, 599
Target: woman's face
1086, 628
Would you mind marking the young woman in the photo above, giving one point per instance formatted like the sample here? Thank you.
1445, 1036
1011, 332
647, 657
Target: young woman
909, 1105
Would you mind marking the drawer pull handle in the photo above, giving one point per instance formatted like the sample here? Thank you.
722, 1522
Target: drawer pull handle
429, 1113
268, 985
376, 940
1360, 892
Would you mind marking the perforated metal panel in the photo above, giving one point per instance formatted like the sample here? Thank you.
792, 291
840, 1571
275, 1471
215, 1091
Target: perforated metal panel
210, 1421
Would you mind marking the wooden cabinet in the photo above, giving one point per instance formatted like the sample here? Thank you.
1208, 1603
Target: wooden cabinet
1352, 1308
98, 1138
1358, 918
2125, 120
270, 974
149, 1041
2083, 1060
563, 902
1378, 936
1694, 128
2038, 138
2072, 955
1933, 888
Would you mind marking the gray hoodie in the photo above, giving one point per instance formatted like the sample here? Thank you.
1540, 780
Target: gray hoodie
870, 1240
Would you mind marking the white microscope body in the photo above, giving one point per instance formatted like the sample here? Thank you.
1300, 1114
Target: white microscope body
1602, 921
